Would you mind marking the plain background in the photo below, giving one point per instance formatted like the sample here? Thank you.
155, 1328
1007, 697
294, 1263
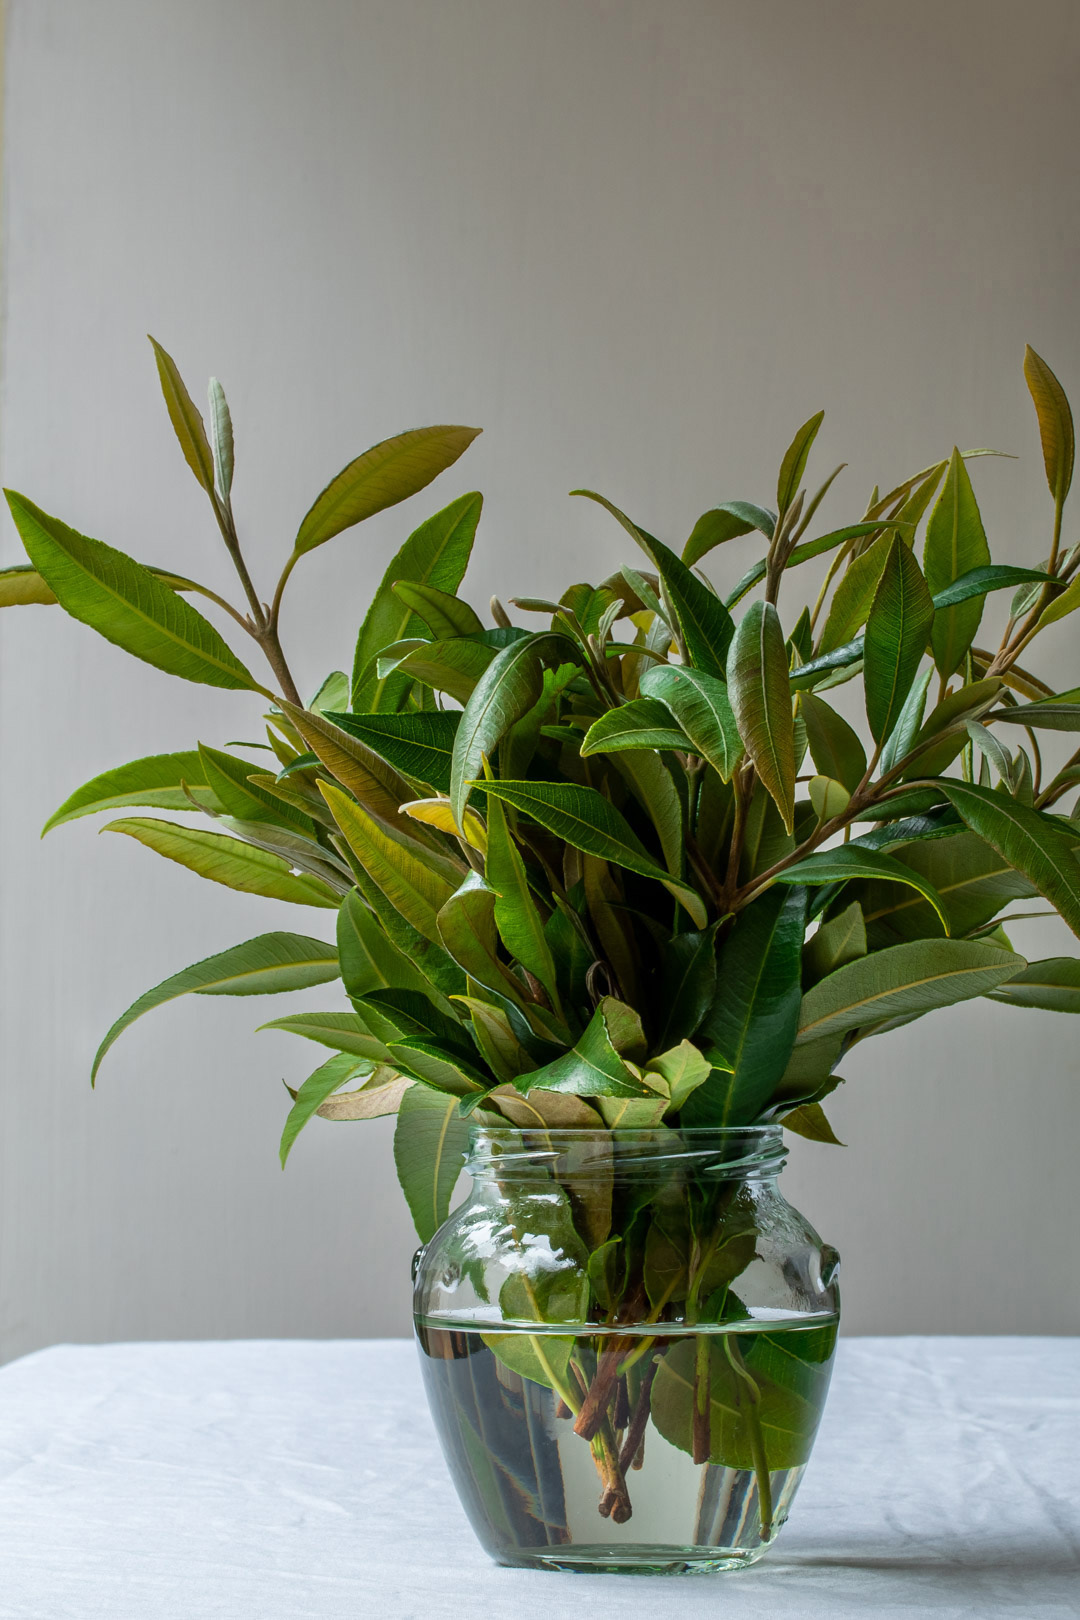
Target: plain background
638, 241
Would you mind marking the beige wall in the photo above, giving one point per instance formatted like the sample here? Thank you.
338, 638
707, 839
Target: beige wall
639, 241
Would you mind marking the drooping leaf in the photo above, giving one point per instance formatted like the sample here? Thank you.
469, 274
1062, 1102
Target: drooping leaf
413, 886
980, 581
588, 821
955, 545
420, 746
702, 707
850, 861
379, 1096
262, 966
154, 782
643, 723
834, 747
810, 1120
342, 1031
436, 554
727, 521
1052, 984
1028, 840
757, 676
429, 1146
903, 981
328, 1078
897, 631
1060, 713
505, 692
389, 472
227, 861
187, 423
704, 622
126, 603
794, 462
1055, 424
752, 1022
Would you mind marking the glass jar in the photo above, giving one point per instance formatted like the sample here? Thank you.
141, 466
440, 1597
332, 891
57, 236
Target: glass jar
626, 1339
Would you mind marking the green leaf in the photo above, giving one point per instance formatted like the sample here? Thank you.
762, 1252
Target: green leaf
23, 586
328, 1078
727, 521
444, 614
186, 421
592, 1068
505, 692
994, 577
420, 746
429, 1146
229, 779
453, 666
753, 1019
376, 785
794, 462
435, 554
1061, 606
828, 796
588, 821
1055, 424
701, 705
154, 781
757, 675
972, 880
908, 724
518, 921
1052, 984
704, 622
687, 985
370, 960
804, 552
854, 595
227, 861
809, 1119
221, 432
896, 635
343, 1031
1028, 840
466, 925
955, 545
904, 981
444, 1071
125, 602
642, 723
830, 669
834, 747
389, 472
1060, 713
849, 861
681, 1069
842, 939
415, 889
262, 966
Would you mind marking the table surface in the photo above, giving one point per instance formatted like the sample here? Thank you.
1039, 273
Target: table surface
262, 1480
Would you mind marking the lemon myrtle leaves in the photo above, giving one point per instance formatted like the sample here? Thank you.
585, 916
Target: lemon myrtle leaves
1055, 425
125, 602
265, 965
757, 680
505, 692
389, 472
1033, 843
955, 545
752, 1023
897, 631
589, 822
702, 708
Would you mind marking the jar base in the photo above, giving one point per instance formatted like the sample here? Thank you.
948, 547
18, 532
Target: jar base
630, 1560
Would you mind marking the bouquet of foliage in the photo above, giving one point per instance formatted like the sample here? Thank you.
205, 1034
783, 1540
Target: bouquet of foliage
623, 863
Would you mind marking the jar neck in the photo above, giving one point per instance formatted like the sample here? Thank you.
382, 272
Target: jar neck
698, 1154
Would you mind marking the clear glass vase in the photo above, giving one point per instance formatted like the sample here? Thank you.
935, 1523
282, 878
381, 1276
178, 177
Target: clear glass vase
626, 1339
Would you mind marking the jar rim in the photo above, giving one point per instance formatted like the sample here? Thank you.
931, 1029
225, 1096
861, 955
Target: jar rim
728, 1151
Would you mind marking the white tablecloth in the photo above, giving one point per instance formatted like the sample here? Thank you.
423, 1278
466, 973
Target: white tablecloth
258, 1481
